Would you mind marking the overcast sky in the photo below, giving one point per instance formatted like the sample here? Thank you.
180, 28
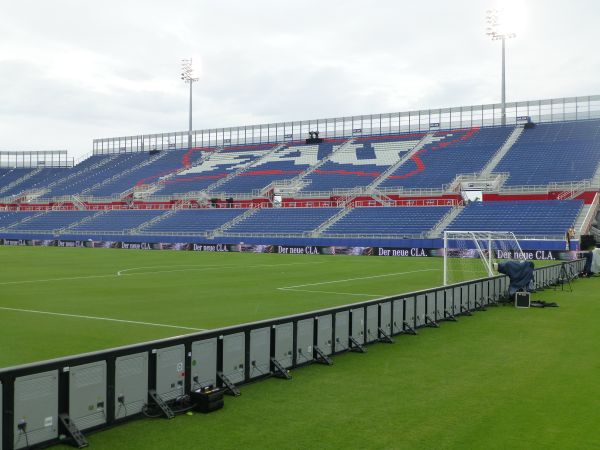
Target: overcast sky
72, 71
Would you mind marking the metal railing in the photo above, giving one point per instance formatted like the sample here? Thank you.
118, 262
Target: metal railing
547, 110
35, 159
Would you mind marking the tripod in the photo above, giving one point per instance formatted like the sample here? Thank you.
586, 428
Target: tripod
566, 274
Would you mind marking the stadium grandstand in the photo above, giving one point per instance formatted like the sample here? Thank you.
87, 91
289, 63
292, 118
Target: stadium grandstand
421, 278
398, 179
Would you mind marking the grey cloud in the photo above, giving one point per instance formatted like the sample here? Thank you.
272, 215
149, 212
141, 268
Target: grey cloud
267, 61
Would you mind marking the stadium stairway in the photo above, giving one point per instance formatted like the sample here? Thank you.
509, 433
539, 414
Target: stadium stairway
159, 183
83, 168
455, 152
140, 228
559, 152
330, 222
87, 179
547, 218
201, 176
83, 220
427, 139
439, 227
586, 216
291, 186
510, 141
21, 179
9, 218
121, 174
227, 225
24, 220
300, 177
212, 188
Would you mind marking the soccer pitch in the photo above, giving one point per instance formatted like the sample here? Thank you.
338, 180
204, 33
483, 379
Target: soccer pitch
505, 378
64, 301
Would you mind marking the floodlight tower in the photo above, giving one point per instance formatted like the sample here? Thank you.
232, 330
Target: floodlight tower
497, 32
187, 75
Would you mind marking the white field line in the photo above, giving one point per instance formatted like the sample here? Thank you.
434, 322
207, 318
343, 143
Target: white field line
201, 268
357, 278
85, 277
108, 319
330, 292
120, 272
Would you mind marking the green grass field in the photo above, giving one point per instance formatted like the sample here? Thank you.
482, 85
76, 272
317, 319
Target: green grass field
504, 378
145, 295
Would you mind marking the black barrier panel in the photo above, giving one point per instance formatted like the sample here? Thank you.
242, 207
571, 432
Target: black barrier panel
325, 334
36, 394
410, 314
398, 316
260, 352
430, 311
284, 344
448, 303
87, 394
420, 305
358, 324
457, 296
170, 372
440, 299
304, 340
233, 360
372, 323
204, 363
35, 409
464, 299
342, 331
485, 293
471, 296
385, 317
131, 384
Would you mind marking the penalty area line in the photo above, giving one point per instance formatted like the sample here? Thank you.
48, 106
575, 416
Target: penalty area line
356, 279
108, 319
330, 292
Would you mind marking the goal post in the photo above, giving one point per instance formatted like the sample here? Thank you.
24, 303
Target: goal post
472, 254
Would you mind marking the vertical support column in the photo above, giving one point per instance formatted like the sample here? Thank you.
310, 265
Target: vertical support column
503, 81
445, 258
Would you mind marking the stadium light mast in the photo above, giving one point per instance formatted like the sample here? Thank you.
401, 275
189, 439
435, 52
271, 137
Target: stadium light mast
497, 32
187, 75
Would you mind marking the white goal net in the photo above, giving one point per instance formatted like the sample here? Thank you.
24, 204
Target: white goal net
473, 254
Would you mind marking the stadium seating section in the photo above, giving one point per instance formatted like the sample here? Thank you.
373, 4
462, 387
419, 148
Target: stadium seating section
361, 162
193, 221
539, 218
284, 164
389, 220
545, 153
556, 152
283, 220
438, 163
219, 165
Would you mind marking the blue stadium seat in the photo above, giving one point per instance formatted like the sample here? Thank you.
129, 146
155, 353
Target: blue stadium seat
53, 220
389, 220
118, 220
194, 221
284, 164
283, 220
8, 218
361, 162
553, 152
455, 152
220, 165
529, 217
